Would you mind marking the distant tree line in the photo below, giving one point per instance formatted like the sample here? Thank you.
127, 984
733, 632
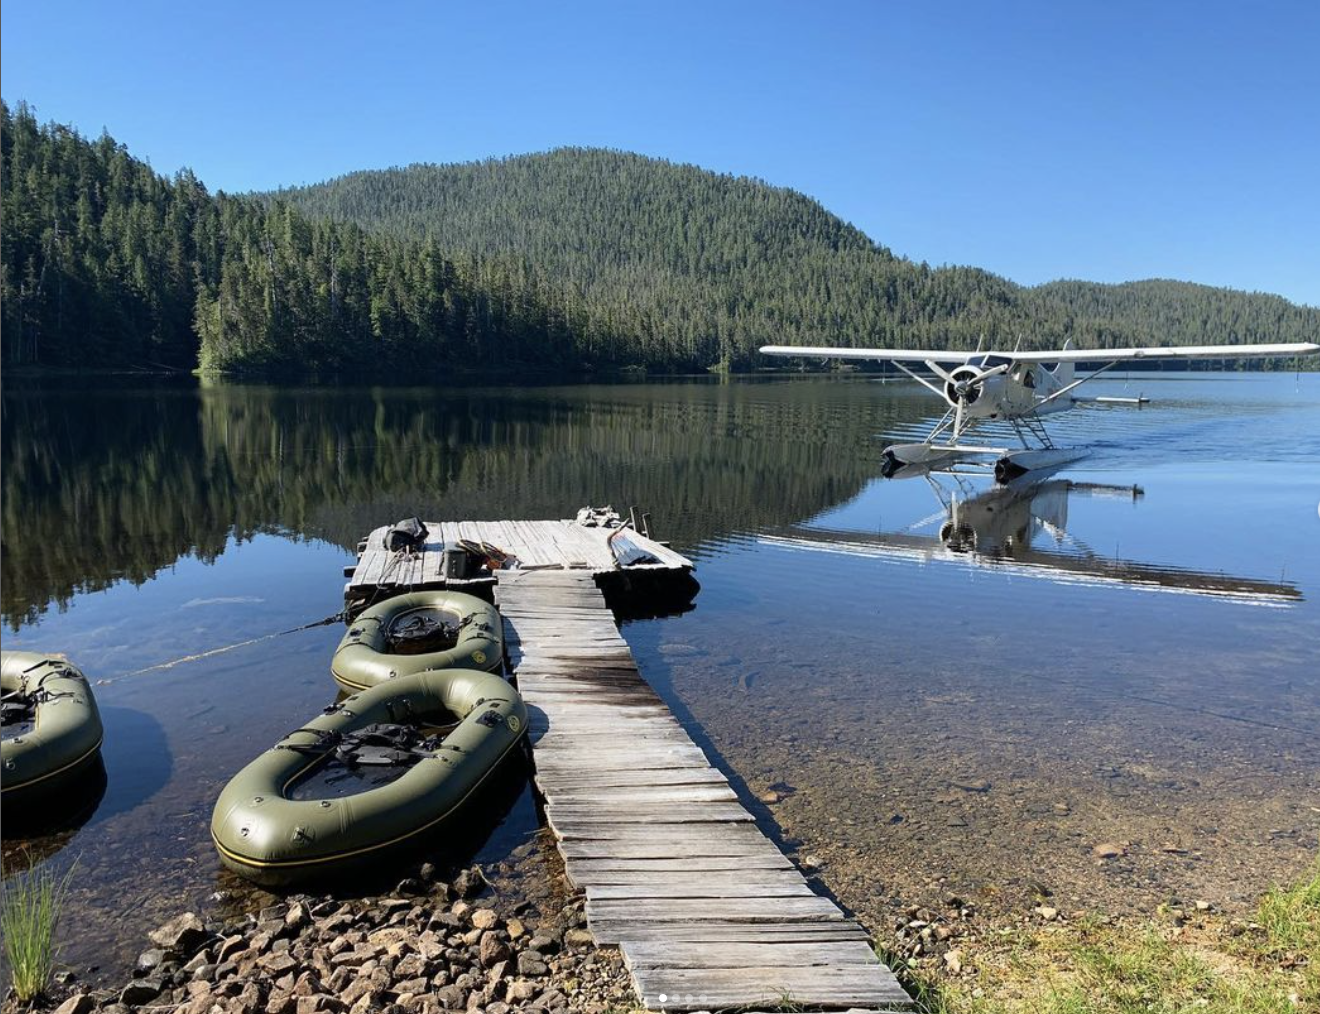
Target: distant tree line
573, 259
107, 263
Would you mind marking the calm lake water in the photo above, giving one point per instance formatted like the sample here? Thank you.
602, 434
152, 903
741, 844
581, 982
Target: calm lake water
952, 691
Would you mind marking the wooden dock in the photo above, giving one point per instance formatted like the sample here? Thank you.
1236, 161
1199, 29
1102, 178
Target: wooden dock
532, 546
708, 913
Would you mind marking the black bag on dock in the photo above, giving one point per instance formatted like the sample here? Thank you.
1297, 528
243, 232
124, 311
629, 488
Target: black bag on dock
406, 535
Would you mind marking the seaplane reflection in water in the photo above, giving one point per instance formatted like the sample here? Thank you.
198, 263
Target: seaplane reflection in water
1022, 526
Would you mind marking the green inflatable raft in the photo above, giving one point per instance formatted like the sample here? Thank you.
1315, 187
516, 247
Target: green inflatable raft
58, 729
284, 818
468, 627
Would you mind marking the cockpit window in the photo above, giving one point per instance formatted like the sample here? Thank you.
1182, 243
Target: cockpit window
987, 361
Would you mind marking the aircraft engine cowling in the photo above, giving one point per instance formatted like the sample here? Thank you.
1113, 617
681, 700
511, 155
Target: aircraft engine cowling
970, 385
959, 537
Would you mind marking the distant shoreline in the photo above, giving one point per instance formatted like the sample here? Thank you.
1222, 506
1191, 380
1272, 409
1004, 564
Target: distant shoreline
540, 376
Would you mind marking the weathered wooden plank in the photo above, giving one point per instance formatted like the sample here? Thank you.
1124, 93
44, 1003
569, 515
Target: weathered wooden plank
632, 795
684, 993
661, 756
741, 954
588, 741
590, 716
691, 890
714, 931
569, 817
619, 849
566, 631
679, 832
617, 749
593, 736
589, 681
568, 765
731, 838
611, 689
584, 711
604, 841
811, 908
806, 984
625, 779
598, 869
700, 878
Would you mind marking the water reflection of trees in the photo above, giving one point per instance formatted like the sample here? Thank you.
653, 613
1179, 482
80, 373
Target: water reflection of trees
108, 483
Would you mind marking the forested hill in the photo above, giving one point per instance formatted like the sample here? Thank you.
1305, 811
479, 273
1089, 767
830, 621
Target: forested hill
707, 267
108, 264
576, 258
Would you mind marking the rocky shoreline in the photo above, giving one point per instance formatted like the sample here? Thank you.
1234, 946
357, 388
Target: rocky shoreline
429, 946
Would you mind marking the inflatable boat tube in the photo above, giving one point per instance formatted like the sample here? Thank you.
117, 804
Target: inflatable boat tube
275, 840
66, 733
363, 658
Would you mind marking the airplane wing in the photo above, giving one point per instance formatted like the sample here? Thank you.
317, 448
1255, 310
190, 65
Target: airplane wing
1054, 356
891, 355
1167, 352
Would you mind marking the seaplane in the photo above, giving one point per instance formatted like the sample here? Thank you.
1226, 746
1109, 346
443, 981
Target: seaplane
1020, 388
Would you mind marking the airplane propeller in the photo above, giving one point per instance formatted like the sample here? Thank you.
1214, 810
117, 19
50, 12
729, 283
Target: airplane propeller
963, 386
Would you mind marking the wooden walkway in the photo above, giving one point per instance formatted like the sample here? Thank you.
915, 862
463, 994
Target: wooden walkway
707, 911
536, 545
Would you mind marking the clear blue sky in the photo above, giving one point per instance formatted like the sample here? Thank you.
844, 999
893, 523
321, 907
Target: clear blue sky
1110, 141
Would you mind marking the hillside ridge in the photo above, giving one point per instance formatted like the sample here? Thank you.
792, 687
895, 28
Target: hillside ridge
572, 259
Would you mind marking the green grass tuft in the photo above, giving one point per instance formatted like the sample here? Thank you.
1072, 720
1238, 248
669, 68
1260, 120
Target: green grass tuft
1091, 966
29, 917
1290, 917
1148, 974
1290, 920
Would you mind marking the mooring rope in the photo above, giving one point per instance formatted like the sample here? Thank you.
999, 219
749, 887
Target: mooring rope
389, 571
335, 618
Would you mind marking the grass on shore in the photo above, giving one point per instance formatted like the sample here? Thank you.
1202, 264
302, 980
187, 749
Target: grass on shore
29, 917
1270, 965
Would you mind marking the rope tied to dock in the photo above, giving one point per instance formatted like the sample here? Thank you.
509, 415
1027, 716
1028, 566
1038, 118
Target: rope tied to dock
197, 657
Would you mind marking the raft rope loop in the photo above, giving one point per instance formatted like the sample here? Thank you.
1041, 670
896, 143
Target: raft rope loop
420, 627
397, 742
397, 556
17, 708
382, 744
